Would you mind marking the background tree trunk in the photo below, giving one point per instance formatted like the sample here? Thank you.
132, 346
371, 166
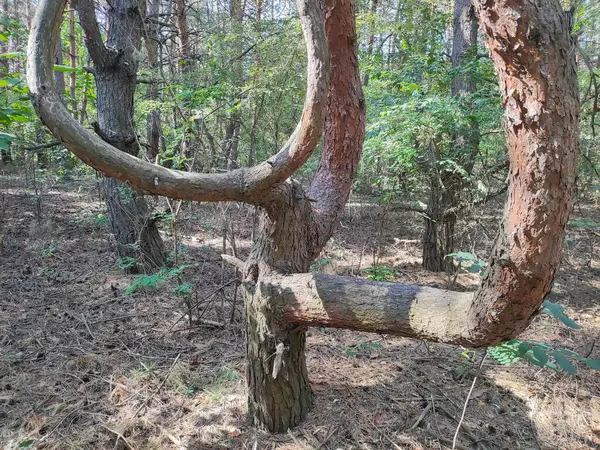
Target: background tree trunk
183, 29
115, 72
438, 237
371, 40
153, 122
59, 77
72, 61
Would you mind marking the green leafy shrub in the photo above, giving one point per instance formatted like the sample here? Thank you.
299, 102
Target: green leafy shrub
379, 272
541, 355
153, 281
320, 264
469, 262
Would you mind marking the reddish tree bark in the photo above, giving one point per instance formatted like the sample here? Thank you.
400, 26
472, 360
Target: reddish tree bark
183, 28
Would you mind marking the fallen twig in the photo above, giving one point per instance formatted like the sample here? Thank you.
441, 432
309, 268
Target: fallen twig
145, 402
462, 417
85, 322
119, 436
422, 416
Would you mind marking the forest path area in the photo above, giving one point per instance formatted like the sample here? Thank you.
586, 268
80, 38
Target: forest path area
92, 358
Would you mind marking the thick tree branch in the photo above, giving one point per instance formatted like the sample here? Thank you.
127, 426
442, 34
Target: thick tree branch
403, 309
345, 124
245, 185
37, 148
91, 32
534, 59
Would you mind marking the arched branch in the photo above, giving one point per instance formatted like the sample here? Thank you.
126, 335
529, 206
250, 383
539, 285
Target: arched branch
533, 53
246, 185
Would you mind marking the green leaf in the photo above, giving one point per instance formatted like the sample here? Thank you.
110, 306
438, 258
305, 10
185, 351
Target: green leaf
463, 256
61, 68
540, 355
523, 348
11, 55
25, 444
184, 289
533, 360
9, 81
5, 140
564, 364
558, 311
591, 363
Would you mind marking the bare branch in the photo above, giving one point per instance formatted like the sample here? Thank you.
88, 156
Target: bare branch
37, 148
402, 309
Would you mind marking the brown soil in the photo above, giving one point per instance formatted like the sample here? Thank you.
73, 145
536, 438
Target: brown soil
84, 365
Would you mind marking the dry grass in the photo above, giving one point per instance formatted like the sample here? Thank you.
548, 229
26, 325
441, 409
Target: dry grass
83, 366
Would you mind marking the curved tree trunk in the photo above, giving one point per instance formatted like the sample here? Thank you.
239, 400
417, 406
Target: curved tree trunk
532, 50
295, 228
115, 72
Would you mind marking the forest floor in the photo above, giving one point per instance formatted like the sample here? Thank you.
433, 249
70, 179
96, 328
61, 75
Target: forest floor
87, 364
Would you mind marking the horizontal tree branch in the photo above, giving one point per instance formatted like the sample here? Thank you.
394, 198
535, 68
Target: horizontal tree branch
39, 147
481, 201
402, 309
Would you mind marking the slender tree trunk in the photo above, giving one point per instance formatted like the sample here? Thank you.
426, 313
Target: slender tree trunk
236, 13
153, 122
59, 77
73, 61
5, 46
371, 43
183, 29
438, 237
115, 72
5, 154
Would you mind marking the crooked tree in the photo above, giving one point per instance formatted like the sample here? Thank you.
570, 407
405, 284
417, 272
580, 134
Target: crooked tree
531, 47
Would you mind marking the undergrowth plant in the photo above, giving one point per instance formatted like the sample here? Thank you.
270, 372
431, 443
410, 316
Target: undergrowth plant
362, 347
379, 272
156, 279
536, 353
